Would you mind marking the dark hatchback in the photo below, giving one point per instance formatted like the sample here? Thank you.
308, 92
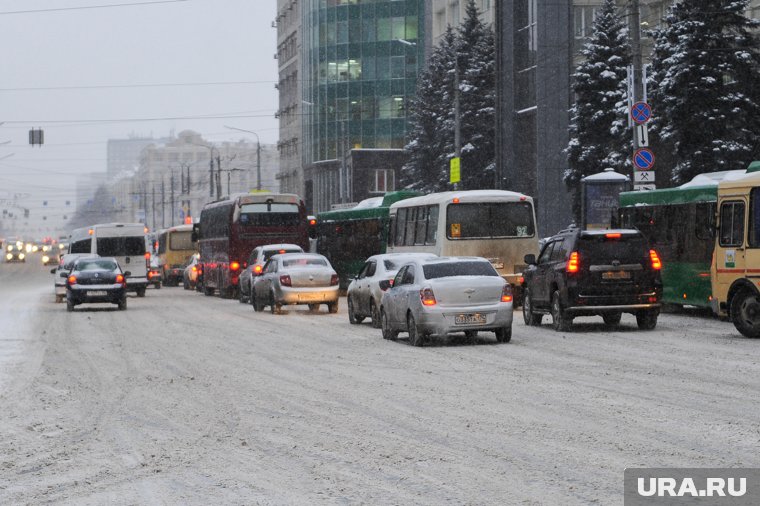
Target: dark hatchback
94, 280
593, 272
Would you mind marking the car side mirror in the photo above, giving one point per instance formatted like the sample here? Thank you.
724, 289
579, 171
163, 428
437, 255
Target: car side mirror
530, 259
127, 274
64, 274
385, 284
52, 271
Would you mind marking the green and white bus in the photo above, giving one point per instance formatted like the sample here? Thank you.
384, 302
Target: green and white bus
347, 237
679, 223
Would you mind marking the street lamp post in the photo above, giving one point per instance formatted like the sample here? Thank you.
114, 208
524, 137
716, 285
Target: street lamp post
258, 154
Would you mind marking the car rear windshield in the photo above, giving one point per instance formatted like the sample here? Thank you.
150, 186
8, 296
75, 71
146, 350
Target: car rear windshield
303, 262
270, 254
96, 265
121, 246
448, 269
626, 249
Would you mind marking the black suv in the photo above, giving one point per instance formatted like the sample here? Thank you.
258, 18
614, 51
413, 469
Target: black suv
593, 272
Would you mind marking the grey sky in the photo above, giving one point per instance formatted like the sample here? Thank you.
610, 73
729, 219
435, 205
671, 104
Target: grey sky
195, 41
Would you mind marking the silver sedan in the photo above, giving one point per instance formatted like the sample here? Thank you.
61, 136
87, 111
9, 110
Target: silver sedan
296, 278
374, 279
444, 295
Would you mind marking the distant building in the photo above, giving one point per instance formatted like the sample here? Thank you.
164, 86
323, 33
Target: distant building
359, 69
452, 12
124, 154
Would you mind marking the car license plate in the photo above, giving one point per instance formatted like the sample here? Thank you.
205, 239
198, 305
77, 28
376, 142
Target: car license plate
309, 297
97, 293
470, 319
616, 275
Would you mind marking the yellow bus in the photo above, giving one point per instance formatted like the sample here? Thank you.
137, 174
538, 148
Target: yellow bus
735, 266
175, 247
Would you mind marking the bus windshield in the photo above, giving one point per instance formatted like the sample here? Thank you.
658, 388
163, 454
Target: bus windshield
489, 220
267, 214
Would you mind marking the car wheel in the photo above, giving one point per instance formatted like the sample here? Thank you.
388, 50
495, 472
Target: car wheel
141, 292
69, 306
257, 306
123, 303
415, 337
560, 319
275, 307
745, 313
185, 284
332, 307
208, 291
503, 335
647, 320
241, 296
158, 286
529, 317
352, 318
612, 319
374, 314
388, 333
58, 299
313, 308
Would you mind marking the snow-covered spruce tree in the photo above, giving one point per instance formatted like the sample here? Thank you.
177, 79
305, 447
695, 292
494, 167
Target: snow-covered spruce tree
431, 121
599, 134
477, 85
706, 70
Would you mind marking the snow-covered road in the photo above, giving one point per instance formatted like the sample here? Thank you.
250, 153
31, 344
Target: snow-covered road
186, 399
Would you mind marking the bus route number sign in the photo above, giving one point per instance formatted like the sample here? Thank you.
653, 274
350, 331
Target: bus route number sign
455, 173
456, 230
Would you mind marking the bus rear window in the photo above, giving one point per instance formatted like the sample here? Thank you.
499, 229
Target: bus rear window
121, 246
489, 220
269, 214
181, 241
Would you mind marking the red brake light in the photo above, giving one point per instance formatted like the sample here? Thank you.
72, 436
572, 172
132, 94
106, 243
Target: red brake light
147, 255
506, 293
72, 280
656, 263
520, 280
333, 280
119, 279
312, 222
234, 266
427, 297
285, 280
574, 264
613, 236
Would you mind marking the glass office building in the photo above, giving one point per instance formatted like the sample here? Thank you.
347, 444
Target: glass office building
360, 64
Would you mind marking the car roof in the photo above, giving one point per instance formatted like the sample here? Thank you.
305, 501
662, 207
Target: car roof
269, 247
447, 260
287, 256
397, 256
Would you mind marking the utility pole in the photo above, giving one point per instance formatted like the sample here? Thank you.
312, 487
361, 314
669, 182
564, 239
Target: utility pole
211, 173
457, 114
638, 83
163, 207
218, 176
153, 206
258, 163
171, 191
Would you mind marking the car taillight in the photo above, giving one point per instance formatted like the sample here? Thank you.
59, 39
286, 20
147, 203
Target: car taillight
150, 275
613, 235
656, 263
574, 264
333, 280
147, 255
119, 279
234, 266
285, 280
72, 280
427, 297
257, 269
521, 280
506, 293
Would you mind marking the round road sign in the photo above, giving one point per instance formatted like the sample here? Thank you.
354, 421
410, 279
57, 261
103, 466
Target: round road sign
643, 159
641, 112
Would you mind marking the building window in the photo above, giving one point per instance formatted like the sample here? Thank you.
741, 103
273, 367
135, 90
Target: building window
384, 181
584, 20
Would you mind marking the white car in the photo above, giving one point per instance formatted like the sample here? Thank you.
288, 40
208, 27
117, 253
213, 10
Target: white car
374, 279
439, 296
296, 278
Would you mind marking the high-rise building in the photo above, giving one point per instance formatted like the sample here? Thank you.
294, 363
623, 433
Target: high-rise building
290, 110
452, 13
360, 62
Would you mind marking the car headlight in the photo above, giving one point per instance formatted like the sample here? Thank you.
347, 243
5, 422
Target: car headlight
45, 259
9, 257
21, 256
9, 248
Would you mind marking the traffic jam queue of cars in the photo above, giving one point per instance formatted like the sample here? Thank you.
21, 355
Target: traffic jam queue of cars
450, 262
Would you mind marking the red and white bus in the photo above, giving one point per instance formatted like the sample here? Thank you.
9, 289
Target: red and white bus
230, 229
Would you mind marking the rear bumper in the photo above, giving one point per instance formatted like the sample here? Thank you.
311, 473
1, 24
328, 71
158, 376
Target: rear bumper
317, 295
613, 307
79, 294
442, 320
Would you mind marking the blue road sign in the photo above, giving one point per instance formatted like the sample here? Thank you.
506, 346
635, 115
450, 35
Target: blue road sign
643, 159
641, 112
